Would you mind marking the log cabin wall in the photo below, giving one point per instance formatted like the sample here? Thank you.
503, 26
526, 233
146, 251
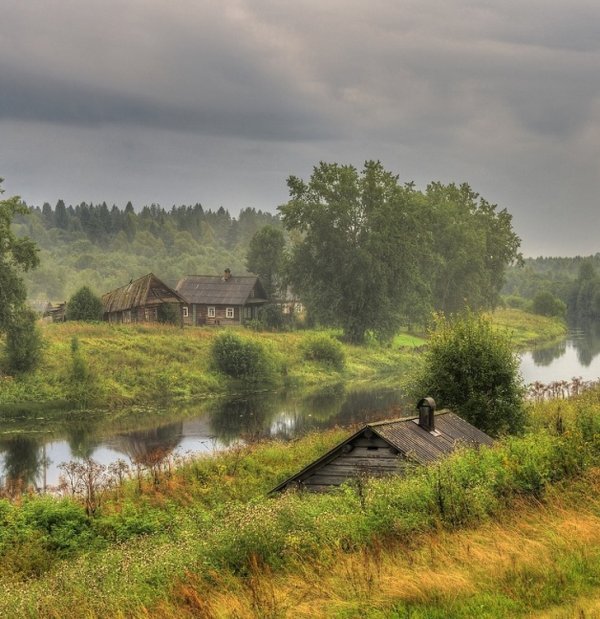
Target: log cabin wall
365, 455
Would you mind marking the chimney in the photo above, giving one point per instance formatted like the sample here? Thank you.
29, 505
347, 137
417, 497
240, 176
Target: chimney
426, 408
226, 275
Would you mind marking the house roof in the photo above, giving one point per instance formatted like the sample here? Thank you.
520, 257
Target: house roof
215, 290
410, 439
147, 290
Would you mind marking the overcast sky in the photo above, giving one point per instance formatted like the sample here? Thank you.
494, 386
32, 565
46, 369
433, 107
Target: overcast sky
218, 102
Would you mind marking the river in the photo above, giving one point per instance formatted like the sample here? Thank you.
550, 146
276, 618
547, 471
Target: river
33, 453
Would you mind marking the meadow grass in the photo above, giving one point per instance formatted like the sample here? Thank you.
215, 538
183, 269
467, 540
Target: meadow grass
526, 329
145, 364
507, 531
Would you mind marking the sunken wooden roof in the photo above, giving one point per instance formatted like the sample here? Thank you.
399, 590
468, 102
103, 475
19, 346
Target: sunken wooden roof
409, 439
216, 290
142, 292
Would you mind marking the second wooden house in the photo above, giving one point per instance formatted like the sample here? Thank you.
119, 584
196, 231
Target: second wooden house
221, 300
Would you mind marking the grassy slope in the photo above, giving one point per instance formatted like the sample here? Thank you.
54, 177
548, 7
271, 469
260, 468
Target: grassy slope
143, 364
518, 533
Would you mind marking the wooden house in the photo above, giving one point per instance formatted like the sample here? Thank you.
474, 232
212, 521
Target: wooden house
388, 447
221, 300
140, 300
55, 313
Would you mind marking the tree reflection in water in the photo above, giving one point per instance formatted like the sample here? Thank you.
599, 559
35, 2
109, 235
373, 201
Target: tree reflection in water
150, 447
587, 344
545, 356
23, 462
255, 417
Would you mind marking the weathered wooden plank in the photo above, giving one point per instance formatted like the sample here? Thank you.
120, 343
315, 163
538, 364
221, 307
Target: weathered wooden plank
365, 451
337, 470
366, 442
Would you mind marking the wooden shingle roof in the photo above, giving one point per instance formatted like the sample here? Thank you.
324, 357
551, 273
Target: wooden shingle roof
145, 291
215, 290
410, 440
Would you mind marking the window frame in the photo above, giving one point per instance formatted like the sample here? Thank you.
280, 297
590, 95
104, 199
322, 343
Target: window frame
211, 311
230, 313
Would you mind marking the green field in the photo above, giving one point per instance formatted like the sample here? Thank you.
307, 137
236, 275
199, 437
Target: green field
154, 364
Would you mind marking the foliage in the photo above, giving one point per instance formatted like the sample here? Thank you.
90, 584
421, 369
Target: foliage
323, 348
241, 358
84, 305
265, 258
370, 253
546, 304
23, 342
271, 317
169, 313
359, 241
17, 256
472, 369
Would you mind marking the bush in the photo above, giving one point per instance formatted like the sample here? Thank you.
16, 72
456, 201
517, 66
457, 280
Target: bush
546, 304
240, 358
23, 342
84, 305
471, 368
169, 313
323, 349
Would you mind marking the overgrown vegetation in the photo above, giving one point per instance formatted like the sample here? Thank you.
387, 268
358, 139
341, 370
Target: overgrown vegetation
321, 347
472, 368
242, 358
84, 305
211, 530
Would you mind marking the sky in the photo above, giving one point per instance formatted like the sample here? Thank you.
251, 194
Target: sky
219, 101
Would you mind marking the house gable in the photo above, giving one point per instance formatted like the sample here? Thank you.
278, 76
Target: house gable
387, 448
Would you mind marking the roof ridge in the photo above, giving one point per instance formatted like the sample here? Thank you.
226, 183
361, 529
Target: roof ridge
383, 422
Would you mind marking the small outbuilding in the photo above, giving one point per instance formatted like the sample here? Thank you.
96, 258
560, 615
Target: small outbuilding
388, 447
140, 300
221, 299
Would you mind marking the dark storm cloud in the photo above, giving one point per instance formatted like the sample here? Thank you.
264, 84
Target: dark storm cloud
205, 98
38, 98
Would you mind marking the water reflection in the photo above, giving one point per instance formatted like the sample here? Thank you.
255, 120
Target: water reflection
148, 447
209, 427
22, 459
577, 355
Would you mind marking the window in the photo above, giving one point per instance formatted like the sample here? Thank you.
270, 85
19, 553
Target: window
185, 311
211, 312
229, 312
248, 312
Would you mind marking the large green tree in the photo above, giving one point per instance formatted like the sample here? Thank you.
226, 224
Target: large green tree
472, 245
265, 257
357, 260
17, 255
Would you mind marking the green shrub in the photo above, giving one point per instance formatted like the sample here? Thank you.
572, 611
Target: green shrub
84, 305
23, 343
546, 304
169, 313
471, 368
241, 358
323, 348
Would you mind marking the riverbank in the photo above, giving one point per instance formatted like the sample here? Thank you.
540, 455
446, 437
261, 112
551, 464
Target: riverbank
147, 364
511, 530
